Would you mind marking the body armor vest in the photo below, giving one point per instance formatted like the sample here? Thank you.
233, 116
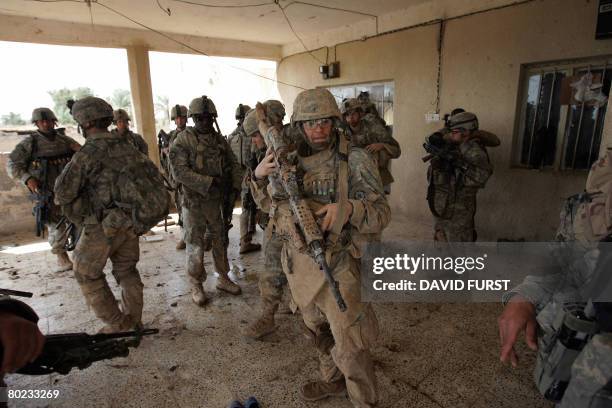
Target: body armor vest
50, 156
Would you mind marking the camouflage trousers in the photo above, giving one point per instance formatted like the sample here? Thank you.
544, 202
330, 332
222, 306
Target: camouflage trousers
460, 226
204, 219
272, 279
57, 237
246, 233
343, 339
591, 378
90, 255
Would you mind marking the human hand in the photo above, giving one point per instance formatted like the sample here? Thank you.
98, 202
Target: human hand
518, 315
266, 167
33, 184
375, 147
21, 340
332, 212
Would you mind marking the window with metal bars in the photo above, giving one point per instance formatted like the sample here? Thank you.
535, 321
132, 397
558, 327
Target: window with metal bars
562, 112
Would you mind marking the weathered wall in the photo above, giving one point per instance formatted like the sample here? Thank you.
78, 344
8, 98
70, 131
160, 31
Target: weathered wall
482, 62
15, 207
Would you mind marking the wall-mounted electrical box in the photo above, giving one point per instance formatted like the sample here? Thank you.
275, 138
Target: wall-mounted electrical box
330, 71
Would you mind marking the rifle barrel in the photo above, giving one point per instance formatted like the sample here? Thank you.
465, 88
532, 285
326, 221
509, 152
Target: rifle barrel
10, 292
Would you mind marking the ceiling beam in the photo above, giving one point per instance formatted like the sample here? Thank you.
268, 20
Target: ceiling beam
41, 31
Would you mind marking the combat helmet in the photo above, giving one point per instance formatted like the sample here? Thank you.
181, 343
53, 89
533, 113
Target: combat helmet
312, 104
349, 105
463, 120
181, 109
250, 123
43, 114
241, 111
89, 109
120, 114
275, 111
202, 106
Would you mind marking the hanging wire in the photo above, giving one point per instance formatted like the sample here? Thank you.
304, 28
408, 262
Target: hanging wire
195, 3
440, 55
296, 34
165, 10
197, 51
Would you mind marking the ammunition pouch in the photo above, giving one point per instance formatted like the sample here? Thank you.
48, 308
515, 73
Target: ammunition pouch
557, 351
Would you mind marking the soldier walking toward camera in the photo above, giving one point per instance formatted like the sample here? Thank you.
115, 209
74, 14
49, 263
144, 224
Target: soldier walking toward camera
36, 162
456, 176
121, 120
98, 190
242, 147
178, 114
271, 279
343, 189
203, 163
369, 134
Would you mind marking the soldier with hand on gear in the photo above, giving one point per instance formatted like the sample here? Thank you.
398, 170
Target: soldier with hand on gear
121, 119
342, 186
579, 358
271, 279
454, 183
371, 135
204, 165
46, 148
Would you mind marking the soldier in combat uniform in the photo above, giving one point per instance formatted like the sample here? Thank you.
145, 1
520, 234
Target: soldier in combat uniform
86, 190
566, 315
178, 114
242, 147
343, 188
121, 119
456, 179
36, 162
271, 278
203, 163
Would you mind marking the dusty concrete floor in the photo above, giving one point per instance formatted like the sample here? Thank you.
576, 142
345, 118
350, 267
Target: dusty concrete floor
428, 355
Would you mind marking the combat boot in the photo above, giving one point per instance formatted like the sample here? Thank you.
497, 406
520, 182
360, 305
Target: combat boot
318, 390
122, 325
263, 326
225, 284
181, 245
63, 262
198, 295
247, 247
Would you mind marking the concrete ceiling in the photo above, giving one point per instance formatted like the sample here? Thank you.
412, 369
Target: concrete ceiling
262, 24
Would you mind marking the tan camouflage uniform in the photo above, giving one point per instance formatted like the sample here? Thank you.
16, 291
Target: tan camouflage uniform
23, 164
343, 339
591, 372
107, 233
197, 159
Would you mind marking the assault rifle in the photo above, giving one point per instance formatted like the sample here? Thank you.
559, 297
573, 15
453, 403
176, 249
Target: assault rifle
63, 352
436, 146
163, 141
309, 229
42, 199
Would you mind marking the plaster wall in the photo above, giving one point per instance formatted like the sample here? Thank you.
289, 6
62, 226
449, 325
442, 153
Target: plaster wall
482, 59
15, 207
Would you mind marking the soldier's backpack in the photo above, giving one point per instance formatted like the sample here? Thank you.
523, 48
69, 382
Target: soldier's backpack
587, 217
137, 186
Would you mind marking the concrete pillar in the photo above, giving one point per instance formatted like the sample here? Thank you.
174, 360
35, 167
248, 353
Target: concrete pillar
142, 97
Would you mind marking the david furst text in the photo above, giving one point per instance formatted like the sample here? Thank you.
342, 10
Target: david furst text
443, 285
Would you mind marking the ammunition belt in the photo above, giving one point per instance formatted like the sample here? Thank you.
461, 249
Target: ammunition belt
59, 160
